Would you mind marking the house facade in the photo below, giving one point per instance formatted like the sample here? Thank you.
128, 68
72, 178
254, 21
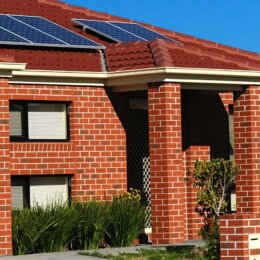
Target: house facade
85, 123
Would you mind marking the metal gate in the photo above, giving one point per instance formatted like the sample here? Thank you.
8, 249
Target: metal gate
138, 158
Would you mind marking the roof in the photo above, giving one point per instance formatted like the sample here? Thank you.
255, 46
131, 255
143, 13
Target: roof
191, 53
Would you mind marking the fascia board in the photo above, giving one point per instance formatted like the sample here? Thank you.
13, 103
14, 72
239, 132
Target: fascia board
12, 66
135, 77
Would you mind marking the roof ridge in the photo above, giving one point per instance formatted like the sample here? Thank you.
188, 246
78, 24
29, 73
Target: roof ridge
160, 53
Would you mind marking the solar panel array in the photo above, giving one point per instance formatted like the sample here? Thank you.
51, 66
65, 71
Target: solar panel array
38, 31
121, 31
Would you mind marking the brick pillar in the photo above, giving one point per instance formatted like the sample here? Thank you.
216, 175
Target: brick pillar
247, 149
167, 175
236, 229
5, 189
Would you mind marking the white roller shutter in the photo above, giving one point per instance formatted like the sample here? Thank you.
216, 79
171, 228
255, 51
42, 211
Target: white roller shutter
47, 121
45, 189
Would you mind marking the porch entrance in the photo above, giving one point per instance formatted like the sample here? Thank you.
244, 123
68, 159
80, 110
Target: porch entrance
138, 156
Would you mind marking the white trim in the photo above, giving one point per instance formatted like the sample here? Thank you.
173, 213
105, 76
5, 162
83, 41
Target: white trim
60, 74
136, 79
12, 66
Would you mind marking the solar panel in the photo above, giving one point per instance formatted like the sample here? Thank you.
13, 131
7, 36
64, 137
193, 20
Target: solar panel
37, 31
25, 31
121, 32
141, 31
8, 37
56, 31
108, 30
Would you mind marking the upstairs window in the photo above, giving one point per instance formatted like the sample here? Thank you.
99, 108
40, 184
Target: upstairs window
38, 121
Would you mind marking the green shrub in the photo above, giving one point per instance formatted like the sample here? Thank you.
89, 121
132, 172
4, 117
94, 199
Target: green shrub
211, 249
59, 227
93, 221
214, 180
126, 219
39, 229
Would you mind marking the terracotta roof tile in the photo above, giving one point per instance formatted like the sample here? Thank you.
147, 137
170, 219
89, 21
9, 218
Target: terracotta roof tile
161, 54
6, 58
129, 56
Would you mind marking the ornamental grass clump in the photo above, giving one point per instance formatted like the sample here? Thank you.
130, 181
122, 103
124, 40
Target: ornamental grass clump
126, 219
59, 227
92, 224
43, 229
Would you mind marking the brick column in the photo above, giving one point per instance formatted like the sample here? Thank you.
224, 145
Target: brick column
236, 229
5, 189
247, 149
167, 175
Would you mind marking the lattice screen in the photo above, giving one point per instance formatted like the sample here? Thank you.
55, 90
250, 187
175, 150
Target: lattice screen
138, 158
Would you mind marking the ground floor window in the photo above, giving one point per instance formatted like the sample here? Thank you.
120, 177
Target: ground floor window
28, 191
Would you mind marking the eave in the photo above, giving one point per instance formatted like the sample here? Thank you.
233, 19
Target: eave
191, 78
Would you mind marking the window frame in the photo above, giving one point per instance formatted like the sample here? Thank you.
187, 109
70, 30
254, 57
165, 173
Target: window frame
25, 124
27, 179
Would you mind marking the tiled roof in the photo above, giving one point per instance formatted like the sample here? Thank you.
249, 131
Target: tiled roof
125, 56
6, 58
192, 52
173, 55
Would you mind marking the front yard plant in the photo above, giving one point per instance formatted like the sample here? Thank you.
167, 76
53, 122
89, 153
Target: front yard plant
79, 226
214, 180
39, 230
127, 219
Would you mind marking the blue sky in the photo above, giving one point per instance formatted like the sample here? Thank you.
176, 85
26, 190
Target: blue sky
231, 22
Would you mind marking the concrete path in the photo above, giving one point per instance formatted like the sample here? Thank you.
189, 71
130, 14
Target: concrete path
119, 250
75, 255
50, 256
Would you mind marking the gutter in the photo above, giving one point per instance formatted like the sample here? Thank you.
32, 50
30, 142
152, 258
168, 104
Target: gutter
18, 74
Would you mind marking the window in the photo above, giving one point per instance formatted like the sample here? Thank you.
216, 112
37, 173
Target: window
28, 191
36, 121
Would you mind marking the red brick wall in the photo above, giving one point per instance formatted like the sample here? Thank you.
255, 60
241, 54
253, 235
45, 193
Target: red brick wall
95, 155
194, 221
42, 158
247, 147
235, 230
5, 189
167, 175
